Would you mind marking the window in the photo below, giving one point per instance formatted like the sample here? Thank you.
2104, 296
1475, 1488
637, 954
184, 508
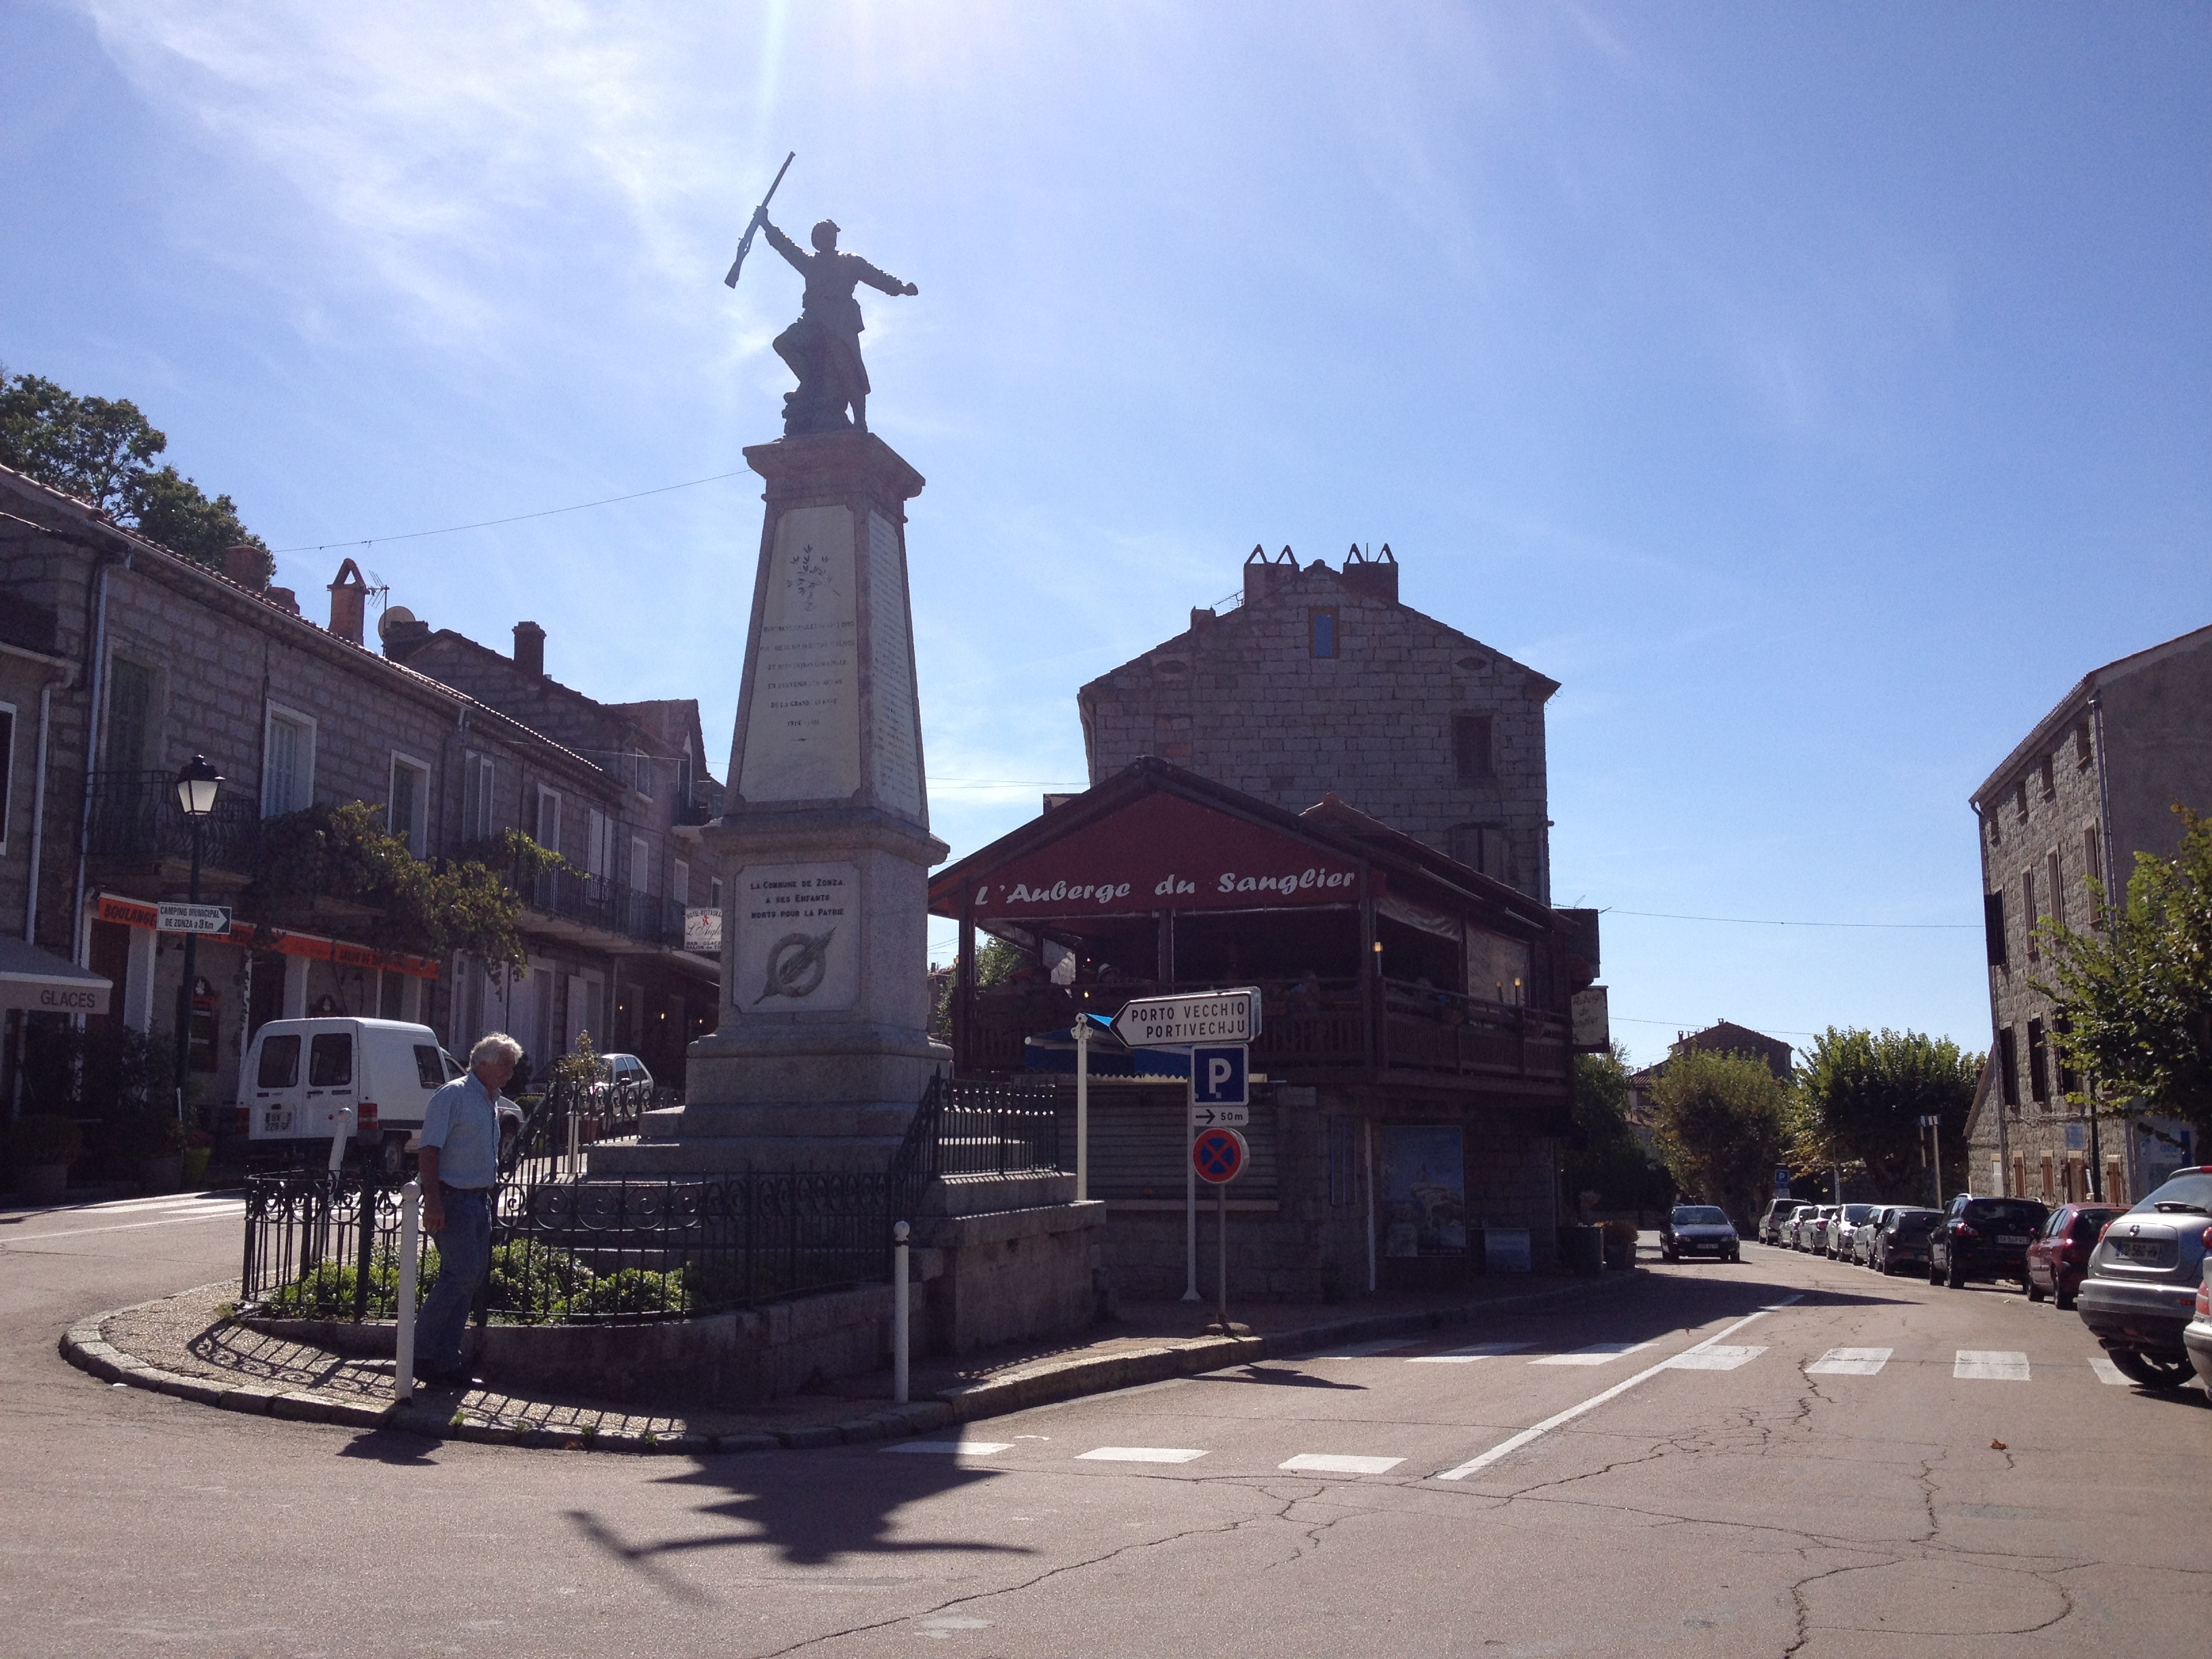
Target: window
429, 1072
7, 767
1480, 846
599, 847
392, 996
2068, 1079
1993, 927
287, 775
1472, 755
2028, 916
2038, 1061
280, 1063
679, 883
2081, 744
2050, 782
476, 797
2020, 800
642, 773
330, 1061
547, 834
641, 866
1341, 1166
1321, 632
130, 716
683, 775
409, 814
1997, 834
714, 893
2058, 889
2092, 870
2008, 1066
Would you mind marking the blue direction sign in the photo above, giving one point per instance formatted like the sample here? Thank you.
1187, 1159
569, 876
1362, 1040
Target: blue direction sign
1217, 1076
1219, 1155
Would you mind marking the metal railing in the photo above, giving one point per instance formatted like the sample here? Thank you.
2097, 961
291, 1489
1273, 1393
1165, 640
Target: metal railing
322, 1246
975, 1128
570, 1116
136, 816
603, 902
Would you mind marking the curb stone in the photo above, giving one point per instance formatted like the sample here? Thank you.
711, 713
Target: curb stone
85, 1346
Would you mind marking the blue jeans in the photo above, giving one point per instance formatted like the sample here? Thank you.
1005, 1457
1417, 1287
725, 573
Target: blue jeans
463, 1264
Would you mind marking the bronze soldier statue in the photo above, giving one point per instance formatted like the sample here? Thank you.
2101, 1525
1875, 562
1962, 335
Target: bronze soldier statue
823, 346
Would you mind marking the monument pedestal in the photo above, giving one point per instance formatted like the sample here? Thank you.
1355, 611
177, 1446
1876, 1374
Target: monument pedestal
821, 1052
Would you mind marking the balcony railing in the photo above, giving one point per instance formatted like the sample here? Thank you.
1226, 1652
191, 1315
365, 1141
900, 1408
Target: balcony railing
1306, 1024
135, 817
601, 902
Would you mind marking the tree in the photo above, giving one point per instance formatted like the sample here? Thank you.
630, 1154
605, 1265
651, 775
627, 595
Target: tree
1860, 1095
102, 451
1719, 1119
1610, 1159
2134, 998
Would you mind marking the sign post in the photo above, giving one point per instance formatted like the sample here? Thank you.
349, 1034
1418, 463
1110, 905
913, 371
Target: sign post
1219, 1156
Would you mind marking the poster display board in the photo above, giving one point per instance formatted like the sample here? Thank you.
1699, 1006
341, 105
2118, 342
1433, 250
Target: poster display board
1423, 1187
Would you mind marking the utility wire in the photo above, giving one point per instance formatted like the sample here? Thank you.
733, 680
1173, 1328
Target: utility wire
486, 524
1765, 922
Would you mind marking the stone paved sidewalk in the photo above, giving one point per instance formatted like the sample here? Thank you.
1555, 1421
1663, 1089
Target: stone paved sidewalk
187, 1345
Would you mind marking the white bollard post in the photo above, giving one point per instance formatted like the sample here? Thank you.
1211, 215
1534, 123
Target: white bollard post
576, 1142
900, 1234
410, 1223
341, 1133
1082, 1109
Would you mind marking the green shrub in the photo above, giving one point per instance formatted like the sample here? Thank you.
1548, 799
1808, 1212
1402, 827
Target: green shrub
327, 1290
632, 1290
534, 1281
45, 1138
150, 1134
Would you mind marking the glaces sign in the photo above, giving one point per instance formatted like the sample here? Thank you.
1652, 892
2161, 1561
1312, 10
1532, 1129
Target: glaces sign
1159, 852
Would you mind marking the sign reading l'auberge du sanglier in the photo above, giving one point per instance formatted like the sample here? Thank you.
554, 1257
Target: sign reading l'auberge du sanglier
1162, 853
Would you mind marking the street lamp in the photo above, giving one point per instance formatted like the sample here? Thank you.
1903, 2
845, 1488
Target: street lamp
197, 783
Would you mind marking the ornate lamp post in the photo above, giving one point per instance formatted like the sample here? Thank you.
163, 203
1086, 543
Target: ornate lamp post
197, 783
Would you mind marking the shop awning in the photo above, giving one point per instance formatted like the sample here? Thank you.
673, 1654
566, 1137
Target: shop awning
43, 983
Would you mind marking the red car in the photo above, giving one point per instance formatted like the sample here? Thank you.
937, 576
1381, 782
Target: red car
2058, 1259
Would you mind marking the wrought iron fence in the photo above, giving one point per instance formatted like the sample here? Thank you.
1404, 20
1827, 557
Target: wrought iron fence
973, 1128
321, 1246
603, 902
575, 1115
136, 815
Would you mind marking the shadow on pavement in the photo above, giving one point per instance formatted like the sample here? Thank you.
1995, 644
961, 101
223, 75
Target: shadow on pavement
810, 1511
395, 1446
1278, 1374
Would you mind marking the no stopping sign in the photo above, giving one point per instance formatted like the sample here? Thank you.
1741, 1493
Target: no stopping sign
1219, 1155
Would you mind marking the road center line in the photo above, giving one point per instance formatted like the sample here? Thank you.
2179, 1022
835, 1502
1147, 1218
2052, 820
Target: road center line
1527, 1437
26, 1240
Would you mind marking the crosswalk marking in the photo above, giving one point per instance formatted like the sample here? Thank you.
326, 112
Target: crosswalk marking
1715, 1358
1469, 1354
1141, 1454
1849, 1362
954, 1448
1597, 1353
1334, 1463
2107, 1371
1990, 1365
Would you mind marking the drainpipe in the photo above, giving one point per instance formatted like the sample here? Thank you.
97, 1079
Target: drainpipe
2004, 1143
39, 804
2104, 857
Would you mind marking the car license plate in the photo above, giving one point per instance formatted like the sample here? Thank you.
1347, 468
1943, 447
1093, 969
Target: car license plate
2012, 1238
2139, 1250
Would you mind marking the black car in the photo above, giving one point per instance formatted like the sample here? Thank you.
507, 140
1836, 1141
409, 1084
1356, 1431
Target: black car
1699, 1229
1984, 1238
1902, 1243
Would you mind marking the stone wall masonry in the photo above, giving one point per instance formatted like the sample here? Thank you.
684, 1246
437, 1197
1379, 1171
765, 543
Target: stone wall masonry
1245, 701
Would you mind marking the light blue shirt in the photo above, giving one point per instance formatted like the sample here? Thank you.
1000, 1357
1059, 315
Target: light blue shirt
463, 1124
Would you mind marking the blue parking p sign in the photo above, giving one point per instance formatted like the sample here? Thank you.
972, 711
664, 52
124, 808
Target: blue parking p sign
1217, 1076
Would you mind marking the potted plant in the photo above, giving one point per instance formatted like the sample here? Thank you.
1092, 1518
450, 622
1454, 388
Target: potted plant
43, 1146
198, 1147
1620, 1243
155, 1141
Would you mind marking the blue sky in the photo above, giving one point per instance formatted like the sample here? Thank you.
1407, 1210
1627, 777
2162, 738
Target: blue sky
1816, 392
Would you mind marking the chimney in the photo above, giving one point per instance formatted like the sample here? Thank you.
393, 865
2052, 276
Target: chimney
1262, 573
348, 602
530, 649
243, 566
1202, 619
1377, 577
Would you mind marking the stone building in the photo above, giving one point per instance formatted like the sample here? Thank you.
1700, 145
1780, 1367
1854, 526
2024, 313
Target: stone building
2093, 783
140, 658
1320, 682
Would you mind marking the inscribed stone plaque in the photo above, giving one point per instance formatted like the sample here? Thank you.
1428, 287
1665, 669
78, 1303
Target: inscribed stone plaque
798, 938
891, 670
802, 730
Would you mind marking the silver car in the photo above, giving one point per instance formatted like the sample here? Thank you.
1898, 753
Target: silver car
1849, 1219
2141, 1291
1867, 1230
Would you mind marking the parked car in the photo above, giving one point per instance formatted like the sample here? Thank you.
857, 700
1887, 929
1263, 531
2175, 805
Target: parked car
2140, 1295
1775, 1219
2197, 1335
1849, 1219
1864, 1236
383, 1070
1698, 1230
1813, 1230
1789, 1236
1902, 1243
2058, 1260
1982, 1237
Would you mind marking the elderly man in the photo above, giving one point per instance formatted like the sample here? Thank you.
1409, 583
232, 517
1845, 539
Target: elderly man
459, 1165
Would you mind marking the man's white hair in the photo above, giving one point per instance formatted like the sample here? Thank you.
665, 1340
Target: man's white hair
495, 1045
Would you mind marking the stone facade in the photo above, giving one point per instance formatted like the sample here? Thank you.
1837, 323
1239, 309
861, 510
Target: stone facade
2090, 785
1321, 682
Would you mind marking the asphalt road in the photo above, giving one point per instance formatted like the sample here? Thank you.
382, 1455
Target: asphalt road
1692, 1468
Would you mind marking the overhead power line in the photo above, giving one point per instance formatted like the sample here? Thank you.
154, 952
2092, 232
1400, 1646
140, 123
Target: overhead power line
1765, 922
543, 512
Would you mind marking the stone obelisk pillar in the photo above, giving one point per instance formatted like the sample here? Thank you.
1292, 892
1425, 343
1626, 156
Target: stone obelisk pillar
821, 1052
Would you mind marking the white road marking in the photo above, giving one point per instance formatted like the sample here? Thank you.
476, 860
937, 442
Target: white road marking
227, 1213
1362, 1350
1507, 1447
1990, 1365
1598, 1353
1713, 1359
954, 1448
1331, 1463
1141, 1454
2107, 1371
1849, 1362
1469, 1355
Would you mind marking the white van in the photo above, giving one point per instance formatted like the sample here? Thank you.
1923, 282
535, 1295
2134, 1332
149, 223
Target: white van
301, 1071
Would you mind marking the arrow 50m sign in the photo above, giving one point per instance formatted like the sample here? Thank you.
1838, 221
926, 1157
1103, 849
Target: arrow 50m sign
1182, 1021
